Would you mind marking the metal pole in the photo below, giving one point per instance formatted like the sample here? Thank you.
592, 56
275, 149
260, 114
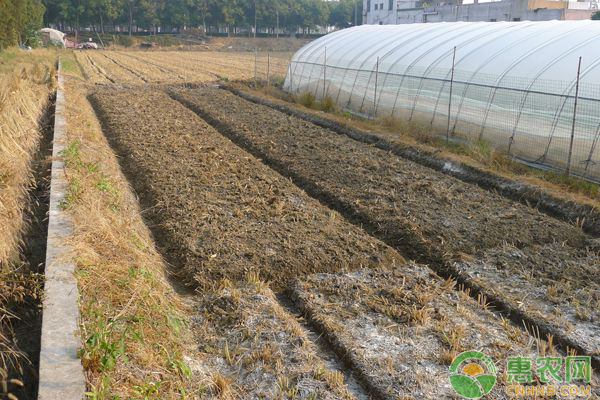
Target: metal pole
268, 69
324, 72
450, 96
255, 67
375, 96
568, 170
291, 73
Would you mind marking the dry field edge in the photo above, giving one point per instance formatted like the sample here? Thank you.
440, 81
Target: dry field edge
420, 250
587, 216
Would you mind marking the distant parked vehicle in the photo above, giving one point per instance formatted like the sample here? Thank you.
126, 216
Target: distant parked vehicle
88, 45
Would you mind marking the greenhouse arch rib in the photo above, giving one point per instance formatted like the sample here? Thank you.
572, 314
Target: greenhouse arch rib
358, 55
410, 66
517, 61
540, 73
315, 46
447, 53
481, 66
462, 58
565, 96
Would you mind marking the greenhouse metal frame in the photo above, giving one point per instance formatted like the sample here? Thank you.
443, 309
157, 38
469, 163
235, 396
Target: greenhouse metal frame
513, 85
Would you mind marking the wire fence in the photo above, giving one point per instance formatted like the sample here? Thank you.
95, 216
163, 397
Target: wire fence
271, 67
533, 120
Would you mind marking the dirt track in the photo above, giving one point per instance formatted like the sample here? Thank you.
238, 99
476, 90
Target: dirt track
216, 211
429, 216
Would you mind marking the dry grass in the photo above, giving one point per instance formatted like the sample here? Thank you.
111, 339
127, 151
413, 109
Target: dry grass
132, 322
23, 96
181, 66
26, 81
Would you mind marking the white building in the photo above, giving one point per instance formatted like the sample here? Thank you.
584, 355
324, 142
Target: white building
384, 12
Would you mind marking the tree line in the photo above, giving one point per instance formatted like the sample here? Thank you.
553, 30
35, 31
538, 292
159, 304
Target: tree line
19, 21
175, 15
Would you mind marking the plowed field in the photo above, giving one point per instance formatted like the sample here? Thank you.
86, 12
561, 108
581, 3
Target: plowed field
524, 260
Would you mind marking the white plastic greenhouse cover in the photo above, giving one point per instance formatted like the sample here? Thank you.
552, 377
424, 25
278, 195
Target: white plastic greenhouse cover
513, 85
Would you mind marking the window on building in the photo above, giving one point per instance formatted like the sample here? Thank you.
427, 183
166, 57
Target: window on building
391, 5
368, 5
381, 6
376, 5
516, 19
493, 20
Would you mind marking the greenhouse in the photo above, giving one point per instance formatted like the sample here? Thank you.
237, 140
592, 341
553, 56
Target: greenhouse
512, 84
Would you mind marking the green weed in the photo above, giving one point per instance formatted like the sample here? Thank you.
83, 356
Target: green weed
307, 99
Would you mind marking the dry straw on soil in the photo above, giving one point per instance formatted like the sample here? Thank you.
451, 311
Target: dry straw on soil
402, 328
254, 349
216, 211
249, 346
24, 94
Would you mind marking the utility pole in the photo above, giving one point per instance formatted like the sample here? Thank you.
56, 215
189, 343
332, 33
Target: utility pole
255, 19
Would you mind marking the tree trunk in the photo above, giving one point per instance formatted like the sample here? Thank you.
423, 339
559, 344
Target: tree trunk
101, 24
130, 17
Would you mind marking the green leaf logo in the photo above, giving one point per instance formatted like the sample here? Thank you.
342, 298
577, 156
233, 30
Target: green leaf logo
476, 376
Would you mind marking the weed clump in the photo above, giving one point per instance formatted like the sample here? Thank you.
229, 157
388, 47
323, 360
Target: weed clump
307, 99
327, 104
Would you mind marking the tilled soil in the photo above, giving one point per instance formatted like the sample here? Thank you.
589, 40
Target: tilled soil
555, 283
248, 341
430, 216
216, 211
402, 328
111, 70
252, 349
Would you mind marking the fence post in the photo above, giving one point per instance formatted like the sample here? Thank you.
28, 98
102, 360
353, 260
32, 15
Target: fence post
291, 77
450, 95
568, 170
376, 82
255, 67
268, 69
324, 72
